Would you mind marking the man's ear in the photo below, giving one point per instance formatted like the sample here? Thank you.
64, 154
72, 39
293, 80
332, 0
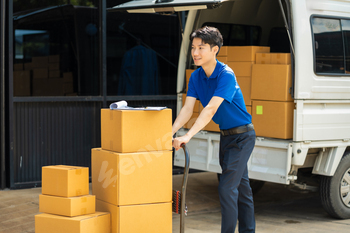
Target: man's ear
216, 49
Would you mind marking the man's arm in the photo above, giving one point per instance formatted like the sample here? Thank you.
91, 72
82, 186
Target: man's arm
185, 114
204, 118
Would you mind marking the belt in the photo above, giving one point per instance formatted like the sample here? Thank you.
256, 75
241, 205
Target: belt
237, 130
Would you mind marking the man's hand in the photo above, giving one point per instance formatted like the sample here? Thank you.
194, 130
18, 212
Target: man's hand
177, 142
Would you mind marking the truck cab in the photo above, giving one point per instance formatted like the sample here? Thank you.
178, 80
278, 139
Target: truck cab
313, 115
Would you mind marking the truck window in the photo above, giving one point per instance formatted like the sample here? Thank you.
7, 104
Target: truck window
331, 45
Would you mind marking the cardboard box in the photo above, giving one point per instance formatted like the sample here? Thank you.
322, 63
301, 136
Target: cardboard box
98, 222
21, 83
245, 53
223, 51
68, 88
241, 68
211, 126
249, 109
222, 59
196, 106
40, 62
47, 87
138, 218
67, 77
188, 76
271, 82
18, 66
54, 58
273, 119
280, 58
127, 131
28, 66
67, 206
40, 73
55, 74
263, 58
132, 178
245, 85
54, 66
65, 181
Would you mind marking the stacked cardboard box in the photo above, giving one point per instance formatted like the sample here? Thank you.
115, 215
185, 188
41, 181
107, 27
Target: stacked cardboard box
46, 77
273, 106
66, 203
132, 172
240, 59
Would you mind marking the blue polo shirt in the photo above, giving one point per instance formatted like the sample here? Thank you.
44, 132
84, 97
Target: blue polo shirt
222, 83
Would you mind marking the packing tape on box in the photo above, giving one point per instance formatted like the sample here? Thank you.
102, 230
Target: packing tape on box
83, 199
77, 171
78, 192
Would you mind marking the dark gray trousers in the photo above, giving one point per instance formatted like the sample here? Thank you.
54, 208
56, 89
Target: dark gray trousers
235, 194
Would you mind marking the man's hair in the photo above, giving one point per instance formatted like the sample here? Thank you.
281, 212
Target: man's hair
209, 35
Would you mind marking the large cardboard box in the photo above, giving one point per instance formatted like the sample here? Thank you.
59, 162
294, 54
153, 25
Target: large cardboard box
132, 178
196, 106
211, 126
280, 58
40, 62
188, 76
47, 87
54, 66
271, 82
263, 58
222, 59
67, 206
67, 77
273, 119
40, 73
98, 222
241, 68
245, 85
223, 51
68, 87
155, 218
21, 83
245, 53
54, 58
55, 74
134, 131
65, 181
18, 66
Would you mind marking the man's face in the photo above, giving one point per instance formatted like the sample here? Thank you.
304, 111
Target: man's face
202, 54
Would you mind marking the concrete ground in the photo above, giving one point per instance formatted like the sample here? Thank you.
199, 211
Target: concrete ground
277, 209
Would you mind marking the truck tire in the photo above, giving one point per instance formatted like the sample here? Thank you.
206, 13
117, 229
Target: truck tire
335, 190
256, 185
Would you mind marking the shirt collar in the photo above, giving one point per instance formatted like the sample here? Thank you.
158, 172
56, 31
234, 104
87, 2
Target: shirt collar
215, 72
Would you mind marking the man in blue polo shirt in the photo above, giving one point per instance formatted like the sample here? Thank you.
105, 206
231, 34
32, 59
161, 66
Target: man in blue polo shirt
215, 85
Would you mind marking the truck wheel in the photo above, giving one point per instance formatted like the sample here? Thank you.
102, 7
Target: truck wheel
256, 185
335, 190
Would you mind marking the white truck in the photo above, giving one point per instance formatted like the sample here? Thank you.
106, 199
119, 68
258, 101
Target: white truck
317, 35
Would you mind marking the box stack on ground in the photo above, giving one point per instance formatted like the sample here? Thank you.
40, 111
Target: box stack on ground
42, 77
66, 205
132, 172
265, 80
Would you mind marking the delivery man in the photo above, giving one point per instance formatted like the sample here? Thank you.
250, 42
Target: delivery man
215, 85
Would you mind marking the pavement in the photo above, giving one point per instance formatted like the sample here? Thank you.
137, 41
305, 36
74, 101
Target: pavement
278, 208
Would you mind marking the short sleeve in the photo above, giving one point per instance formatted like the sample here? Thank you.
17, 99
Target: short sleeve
191, 88
227, 86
